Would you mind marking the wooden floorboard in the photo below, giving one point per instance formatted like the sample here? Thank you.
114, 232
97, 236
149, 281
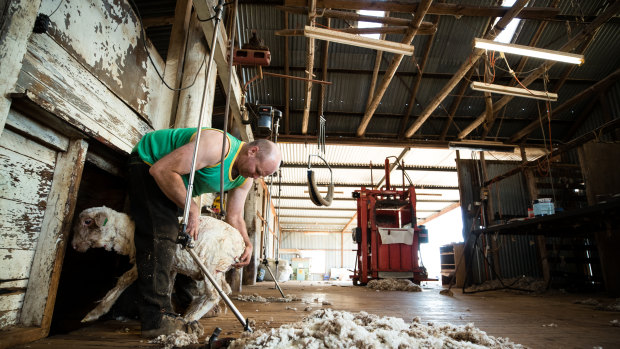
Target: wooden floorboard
518, 317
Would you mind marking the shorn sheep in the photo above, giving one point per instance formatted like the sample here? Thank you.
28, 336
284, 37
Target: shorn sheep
218, 246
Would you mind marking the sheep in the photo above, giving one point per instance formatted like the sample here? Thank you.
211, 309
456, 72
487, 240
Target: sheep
218, 246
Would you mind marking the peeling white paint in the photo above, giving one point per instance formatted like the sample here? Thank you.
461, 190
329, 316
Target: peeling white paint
102, 32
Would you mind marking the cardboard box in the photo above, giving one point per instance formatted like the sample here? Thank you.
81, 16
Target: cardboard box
301, 274
297, 263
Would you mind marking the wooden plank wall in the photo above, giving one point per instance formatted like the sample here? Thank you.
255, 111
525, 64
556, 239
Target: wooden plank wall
92, 72
26, 170
104, 37
84, 71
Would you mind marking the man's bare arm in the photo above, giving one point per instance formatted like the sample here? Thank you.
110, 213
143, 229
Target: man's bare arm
168, 170
234, 217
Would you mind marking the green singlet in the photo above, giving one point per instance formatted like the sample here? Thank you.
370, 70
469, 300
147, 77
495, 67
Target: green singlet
157, 144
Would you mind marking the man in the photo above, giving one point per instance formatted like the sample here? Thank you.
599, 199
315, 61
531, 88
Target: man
158, 176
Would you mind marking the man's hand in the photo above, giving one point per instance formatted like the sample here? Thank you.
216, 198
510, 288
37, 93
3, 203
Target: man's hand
245, 257
192, 221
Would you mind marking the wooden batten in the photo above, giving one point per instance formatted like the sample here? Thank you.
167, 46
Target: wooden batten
190, 99
47, 264
79, 99
203, 10
17, 22
176, 55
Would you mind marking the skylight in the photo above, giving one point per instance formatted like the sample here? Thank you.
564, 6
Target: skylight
362, 24
508, 33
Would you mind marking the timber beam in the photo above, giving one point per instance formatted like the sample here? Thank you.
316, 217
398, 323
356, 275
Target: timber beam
443, 9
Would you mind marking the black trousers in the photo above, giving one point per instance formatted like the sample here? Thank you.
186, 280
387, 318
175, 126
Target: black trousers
157, 228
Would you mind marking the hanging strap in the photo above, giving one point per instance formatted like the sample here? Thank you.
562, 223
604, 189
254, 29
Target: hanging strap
315, 195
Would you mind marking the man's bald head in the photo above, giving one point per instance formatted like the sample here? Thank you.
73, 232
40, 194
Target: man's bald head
259, 158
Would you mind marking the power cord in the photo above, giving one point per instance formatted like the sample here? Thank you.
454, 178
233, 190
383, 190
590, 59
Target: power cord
135, 7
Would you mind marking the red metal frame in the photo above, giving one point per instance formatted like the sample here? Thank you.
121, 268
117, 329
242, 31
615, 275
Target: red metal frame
386, 208
251, 57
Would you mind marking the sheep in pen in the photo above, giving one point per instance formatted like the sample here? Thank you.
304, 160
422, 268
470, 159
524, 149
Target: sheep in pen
218, 247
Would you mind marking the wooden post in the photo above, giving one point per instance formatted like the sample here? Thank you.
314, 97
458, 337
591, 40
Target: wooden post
188, 110
176, 53
204, 10
287, 83
540, 239
322, 87
490, 213
47, 264
598, 163
17, 22
309, 69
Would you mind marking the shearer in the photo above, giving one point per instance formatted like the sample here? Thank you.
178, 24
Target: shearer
158, 171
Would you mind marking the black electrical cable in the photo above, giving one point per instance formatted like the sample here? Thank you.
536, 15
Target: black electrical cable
151, 58
211, 18
57, 7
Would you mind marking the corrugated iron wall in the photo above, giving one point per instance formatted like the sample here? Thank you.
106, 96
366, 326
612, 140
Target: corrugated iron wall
516, 255
330, 243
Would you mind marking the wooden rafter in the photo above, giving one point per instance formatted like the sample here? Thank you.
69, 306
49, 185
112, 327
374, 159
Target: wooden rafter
375, 72
578, 122
603, 84
440, 213
445, 9
323, 88
359, 31
310, 44
575, 41
418, 81
455, 104
465, 67
353, 16
287, 83
389, 74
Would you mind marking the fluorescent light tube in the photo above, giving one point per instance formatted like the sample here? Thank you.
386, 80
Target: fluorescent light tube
357, 40
514, 91
482, 146
529, 51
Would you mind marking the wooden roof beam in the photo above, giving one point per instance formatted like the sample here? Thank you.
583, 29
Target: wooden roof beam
601, 85
204, 9
418, 81
323, 88
465, 67
443, 9
440, 213
309, 68
575, 41
375, 72
387, 76
455, 104
287, 82
428, 30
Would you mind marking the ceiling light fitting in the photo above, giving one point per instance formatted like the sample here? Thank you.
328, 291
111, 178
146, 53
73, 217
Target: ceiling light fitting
357, 40
482, 146
514, 91
529, 51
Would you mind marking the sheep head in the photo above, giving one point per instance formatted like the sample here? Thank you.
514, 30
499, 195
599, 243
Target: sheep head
97, 227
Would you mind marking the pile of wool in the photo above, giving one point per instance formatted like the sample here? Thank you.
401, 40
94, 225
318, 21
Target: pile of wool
588, 301
327, 328
177, 339
615, 306
522, 283
393, 285
260, 299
